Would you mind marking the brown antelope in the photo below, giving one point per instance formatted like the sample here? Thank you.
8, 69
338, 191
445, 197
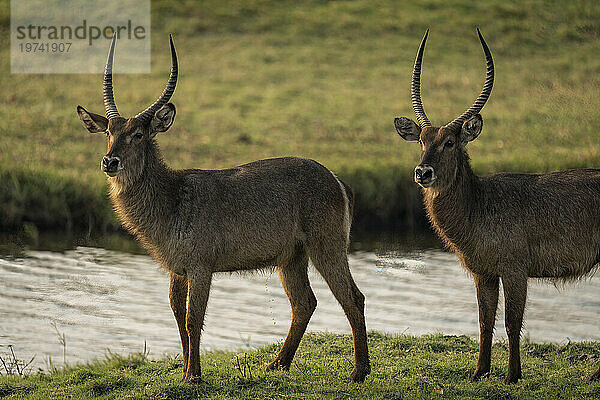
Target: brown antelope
277, 212
506, 227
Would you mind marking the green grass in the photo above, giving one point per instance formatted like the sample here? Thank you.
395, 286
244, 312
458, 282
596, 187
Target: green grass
404, 367
324, 79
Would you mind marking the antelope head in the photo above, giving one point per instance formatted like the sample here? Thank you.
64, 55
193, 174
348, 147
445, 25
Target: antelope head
443, 148
129, 138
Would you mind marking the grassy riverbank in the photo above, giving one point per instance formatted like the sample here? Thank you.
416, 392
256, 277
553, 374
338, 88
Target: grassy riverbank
404, 367
316, 79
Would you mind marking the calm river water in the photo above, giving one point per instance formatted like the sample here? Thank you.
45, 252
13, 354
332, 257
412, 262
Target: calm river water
101, 299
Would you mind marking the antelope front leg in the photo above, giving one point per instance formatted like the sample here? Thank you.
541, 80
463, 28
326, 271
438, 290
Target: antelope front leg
198, 290
515, 296
178, 292
487, 299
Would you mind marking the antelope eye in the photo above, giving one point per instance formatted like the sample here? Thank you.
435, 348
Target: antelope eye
138, 135
450, 143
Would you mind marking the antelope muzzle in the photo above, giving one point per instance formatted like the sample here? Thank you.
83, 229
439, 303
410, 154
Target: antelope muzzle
111, 166
424, 175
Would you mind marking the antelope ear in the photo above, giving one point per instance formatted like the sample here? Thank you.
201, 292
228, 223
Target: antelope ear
94, 123
407, 128
471, 128
163, 119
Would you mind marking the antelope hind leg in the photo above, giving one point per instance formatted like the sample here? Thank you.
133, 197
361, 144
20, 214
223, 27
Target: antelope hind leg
334, 269
294, 277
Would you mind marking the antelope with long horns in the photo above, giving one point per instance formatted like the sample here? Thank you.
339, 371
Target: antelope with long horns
503, 227
279, 212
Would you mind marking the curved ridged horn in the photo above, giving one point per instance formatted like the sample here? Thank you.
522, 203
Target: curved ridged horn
415, 89
485, 92
148, 113
107, 88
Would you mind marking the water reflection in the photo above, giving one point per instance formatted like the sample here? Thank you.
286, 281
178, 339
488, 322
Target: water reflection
102, 299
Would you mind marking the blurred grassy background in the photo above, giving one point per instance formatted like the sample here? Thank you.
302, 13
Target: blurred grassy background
317, 79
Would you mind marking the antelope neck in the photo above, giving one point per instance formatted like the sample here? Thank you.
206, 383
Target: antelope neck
147, 204
450, 209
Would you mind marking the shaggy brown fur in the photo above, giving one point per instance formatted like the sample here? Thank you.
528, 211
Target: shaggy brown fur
276, 212
507, 227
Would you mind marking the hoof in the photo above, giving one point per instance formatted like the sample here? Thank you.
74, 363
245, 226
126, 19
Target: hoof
192, 379
477, 375
184, 378
359, 375
512, 378
278, 364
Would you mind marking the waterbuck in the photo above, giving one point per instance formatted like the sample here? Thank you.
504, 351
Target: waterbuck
279, 212
507, 227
